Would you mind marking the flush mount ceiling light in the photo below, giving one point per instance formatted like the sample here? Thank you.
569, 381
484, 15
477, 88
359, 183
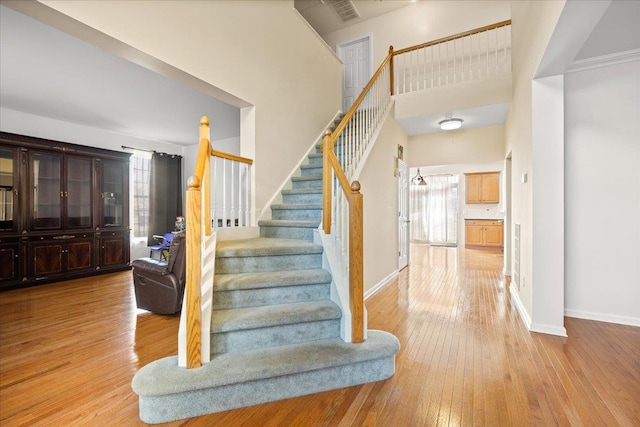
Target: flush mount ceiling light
450, 124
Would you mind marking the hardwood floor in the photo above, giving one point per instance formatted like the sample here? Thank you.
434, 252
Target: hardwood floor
68, 352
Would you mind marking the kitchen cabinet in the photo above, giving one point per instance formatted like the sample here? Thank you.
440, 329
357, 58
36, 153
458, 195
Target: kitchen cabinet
64, 210
482, 187
484, 234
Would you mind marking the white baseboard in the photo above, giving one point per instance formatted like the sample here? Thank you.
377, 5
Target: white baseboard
548, 329
602, 317
380, 284
515, 300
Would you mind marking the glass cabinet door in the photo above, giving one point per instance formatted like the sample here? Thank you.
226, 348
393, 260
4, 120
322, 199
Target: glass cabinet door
47, 195
8, 186
112, 194
78, 192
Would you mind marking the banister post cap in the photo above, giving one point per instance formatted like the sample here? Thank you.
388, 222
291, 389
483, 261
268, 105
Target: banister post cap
193, 182
204, 121
391, 49
355, 186
327, 132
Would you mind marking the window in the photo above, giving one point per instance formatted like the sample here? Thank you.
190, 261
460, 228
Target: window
434, 210
141, 165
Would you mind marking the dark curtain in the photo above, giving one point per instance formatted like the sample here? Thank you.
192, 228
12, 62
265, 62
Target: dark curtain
165, 194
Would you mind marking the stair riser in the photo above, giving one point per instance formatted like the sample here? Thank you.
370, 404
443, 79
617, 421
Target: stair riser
268, 263
315, 160
297, 214
243, 340
301, 233
313, 183
223, 300
311, 171
170, 407
302, 198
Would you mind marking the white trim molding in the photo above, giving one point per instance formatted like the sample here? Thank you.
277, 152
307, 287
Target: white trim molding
517, 302
548, 329
604, 60
602, 317
381, 284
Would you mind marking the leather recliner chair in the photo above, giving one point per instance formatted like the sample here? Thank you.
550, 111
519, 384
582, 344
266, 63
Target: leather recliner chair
158, 284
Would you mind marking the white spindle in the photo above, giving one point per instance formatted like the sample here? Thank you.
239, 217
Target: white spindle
224, 193
232, 196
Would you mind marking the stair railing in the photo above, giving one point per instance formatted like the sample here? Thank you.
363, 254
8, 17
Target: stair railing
478, 53
343, 151
194, 347
231, 190
470, 55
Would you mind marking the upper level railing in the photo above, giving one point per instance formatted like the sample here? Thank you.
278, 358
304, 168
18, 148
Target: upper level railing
471, 55
478, 53
195, 320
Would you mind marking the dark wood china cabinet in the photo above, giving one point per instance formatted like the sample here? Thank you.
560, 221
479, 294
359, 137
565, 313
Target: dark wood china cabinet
64, 210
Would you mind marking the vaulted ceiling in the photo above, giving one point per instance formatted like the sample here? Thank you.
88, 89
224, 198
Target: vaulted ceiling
47, 72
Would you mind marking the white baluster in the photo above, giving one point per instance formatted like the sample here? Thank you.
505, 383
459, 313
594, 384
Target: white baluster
224, 192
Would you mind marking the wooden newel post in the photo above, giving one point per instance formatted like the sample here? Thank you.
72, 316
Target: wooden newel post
391, 69
326, 182
356, 274
194, 272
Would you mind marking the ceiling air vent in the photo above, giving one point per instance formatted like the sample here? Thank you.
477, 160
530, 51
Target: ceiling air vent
345, 9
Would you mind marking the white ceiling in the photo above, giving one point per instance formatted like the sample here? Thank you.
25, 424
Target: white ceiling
325, 20
46, 72
487, 115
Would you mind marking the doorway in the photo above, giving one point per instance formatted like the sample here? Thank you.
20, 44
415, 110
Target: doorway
356, 69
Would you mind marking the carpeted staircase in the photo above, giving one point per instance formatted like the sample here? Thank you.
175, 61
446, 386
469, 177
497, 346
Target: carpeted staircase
275, 330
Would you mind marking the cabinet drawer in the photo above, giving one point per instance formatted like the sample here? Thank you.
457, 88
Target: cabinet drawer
482, 222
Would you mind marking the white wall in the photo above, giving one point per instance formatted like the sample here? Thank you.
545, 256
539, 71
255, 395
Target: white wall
477, 145
258, 51
602, 201
532, 25
380, 195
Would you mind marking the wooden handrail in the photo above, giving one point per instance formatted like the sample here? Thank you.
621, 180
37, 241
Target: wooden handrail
223, 155
454, 37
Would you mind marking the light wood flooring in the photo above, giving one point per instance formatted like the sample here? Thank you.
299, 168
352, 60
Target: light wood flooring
68, 352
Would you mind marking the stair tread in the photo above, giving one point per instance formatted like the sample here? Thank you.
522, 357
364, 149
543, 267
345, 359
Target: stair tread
164, 376
288, 223
265, 246
241, 281
310, 166
236, 319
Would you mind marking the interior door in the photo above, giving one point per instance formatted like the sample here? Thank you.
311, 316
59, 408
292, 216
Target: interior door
403, 214
356, 69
